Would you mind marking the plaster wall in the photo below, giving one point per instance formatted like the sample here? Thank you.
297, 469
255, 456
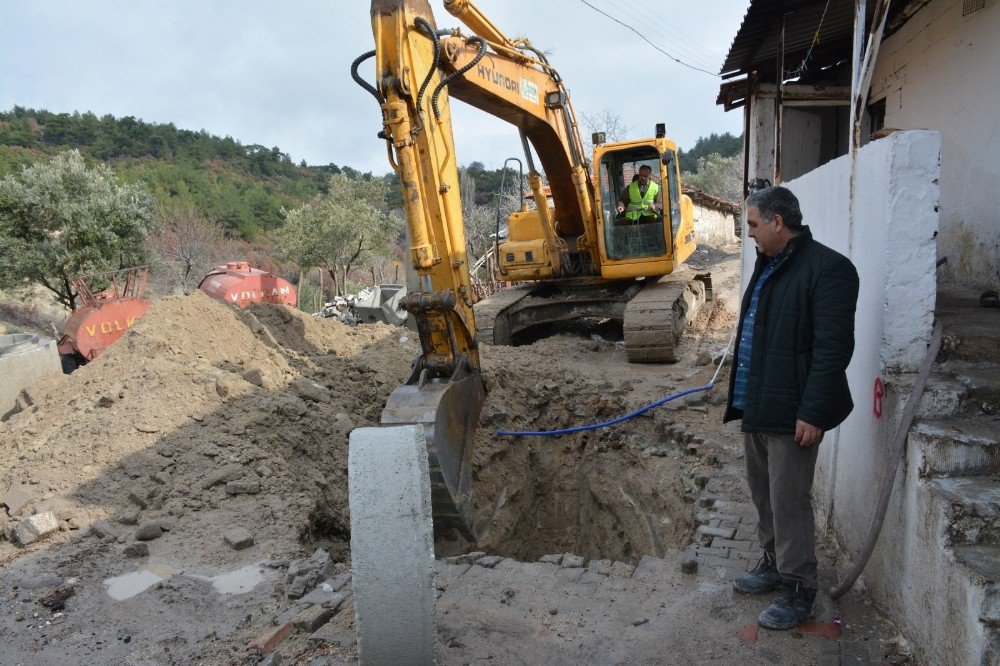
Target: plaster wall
714, 227
890, 237
939, 72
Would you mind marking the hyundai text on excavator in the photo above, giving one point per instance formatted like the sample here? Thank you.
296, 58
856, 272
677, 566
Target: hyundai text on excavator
578, 257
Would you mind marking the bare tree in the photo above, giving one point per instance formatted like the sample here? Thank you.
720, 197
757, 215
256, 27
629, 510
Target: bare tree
607, 121
188, 246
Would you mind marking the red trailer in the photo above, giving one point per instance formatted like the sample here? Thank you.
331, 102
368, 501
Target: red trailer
104, 317
238, 283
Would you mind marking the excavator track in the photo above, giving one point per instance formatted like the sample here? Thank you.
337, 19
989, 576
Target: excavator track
492, 324
657, 316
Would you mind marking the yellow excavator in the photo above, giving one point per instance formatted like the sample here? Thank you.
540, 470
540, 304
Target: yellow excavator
604, 247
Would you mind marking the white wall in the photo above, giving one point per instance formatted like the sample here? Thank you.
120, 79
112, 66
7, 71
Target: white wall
713, 227
940, 72
891, 242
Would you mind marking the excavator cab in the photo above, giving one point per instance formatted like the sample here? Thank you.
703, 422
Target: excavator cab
640, 226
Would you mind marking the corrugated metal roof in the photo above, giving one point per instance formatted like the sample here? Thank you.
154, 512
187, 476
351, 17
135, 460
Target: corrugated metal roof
755, 46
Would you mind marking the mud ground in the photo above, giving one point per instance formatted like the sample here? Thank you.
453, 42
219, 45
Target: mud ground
204, 420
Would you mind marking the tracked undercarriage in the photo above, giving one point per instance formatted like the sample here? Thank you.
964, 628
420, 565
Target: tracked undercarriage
654, 313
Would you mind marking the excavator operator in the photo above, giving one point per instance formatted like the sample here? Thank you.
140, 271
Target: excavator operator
640, 201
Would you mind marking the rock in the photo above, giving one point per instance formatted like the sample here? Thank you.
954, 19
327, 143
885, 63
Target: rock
319, 560
56, 600
308, 390
622, 570
238, 538
129, 516
640, 622
701, 480
140, 497
136, 549
489, 561
102, 530
602, 567
717, 398
689, 562
551, 559
163, 478
254, 376
324, 594
301, 583
35, 527
273, 659
312, 618
16, 498
8, 530
571, 561
148, 531
222, 475
704, 358
249, 486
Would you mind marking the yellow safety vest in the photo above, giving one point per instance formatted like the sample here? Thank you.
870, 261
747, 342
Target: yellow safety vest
640, 204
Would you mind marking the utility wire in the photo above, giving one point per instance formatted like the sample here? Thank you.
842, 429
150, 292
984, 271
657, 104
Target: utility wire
646, 39
699, 54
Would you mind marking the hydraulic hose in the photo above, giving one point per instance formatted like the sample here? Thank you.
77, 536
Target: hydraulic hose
448, 79
423, 23
899, 446
642, 410
360, 81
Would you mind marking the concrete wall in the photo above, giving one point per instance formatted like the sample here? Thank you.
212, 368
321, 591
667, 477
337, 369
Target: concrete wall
714, 227
23, 359
939, 72
891, 242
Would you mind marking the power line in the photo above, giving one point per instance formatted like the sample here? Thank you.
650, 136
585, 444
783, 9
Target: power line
699, 54
646, 39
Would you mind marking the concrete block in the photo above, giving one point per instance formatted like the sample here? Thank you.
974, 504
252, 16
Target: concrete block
328, 634
489, 561
551, 559
571, 561
622, 570
602, 567
312, 618
724, 532
35, 527
392, 545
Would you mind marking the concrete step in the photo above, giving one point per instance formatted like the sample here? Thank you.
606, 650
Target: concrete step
957, 446
959, 387
971, 333
973, 506
982, 563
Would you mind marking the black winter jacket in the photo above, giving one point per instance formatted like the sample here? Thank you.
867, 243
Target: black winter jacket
802, 341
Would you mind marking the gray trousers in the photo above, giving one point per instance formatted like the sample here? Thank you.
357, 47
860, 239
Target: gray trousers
780, 474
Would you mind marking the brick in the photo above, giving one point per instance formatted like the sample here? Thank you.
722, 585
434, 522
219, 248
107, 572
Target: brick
707, 551
719, 542
724, 532
268, 639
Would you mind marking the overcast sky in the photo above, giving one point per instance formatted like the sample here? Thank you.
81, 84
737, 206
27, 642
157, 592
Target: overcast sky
277, 72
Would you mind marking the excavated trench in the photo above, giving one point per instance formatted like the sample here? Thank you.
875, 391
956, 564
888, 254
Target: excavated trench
579, 495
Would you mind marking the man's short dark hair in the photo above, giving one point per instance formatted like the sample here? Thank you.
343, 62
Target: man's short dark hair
777, 200
646, 166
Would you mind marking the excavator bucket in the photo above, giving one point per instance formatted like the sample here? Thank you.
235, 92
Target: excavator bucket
448, 413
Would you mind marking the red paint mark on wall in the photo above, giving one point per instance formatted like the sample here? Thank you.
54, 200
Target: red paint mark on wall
878, 394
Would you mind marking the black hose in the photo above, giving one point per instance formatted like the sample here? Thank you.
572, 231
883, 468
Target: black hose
423, 23
899, 446
520, 184
360, 81
448, 79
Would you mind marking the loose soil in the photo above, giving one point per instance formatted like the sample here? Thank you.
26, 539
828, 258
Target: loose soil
204, 418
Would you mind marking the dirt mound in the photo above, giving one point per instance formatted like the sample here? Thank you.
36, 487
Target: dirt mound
205, 418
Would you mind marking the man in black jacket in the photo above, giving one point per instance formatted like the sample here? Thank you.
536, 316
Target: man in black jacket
789, 386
